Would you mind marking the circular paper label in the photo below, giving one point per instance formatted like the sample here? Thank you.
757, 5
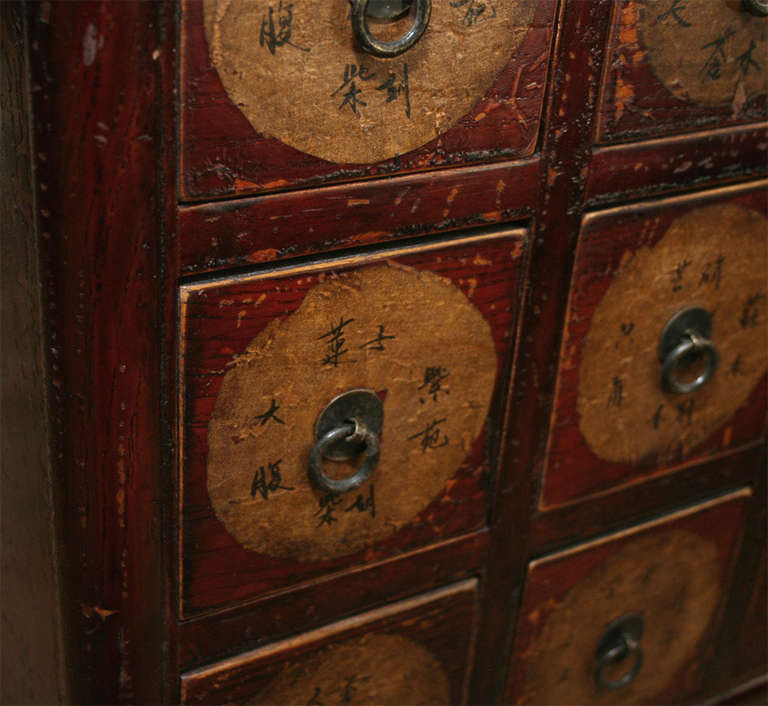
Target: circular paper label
382, 669
410, 336
294, 70
713, 257
671, 579
711, 52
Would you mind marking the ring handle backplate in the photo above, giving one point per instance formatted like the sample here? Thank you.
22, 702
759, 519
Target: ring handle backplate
686, 337
387, 49
620, 641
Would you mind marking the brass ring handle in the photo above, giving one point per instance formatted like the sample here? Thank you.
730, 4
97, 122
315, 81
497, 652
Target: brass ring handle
694, 345
381, 48
620, 640
352, 431
685, 335
756, 7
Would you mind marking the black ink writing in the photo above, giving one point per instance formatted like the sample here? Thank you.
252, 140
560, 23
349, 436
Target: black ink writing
685, 412
616, 397
678, 273
745, 60
269, 414
657, 417
713, 271
314, 701
433, 381
277, 27
396, 87
377, 343
675, 8
750, 313
430, 436
336, 342
263, 487
475, 11
737, 366
714, 62
327, 505
351, 97
363, 504
627, 329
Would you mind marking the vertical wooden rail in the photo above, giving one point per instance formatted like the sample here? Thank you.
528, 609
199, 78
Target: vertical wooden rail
96, 82
566, 153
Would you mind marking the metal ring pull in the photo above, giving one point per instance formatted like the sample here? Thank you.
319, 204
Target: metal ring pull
756, 7
620, 640
687, 335
378, 47
353, 431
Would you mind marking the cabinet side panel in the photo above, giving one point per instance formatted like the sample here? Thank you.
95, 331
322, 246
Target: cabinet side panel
31, 668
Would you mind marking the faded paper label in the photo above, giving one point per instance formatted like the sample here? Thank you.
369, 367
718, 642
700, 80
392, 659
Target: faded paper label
671, 579
711, 52
713, 257
294, 70
384, 669
412, 337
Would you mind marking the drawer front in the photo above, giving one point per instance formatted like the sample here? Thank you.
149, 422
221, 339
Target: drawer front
277, 95
680, 65
627, 619
428, 330
616, 418
412, 652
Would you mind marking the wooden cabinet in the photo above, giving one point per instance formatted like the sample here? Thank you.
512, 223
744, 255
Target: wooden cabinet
234, 214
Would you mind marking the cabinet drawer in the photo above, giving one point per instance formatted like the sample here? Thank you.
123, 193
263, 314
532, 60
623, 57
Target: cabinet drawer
277, 95
428, 330
617, 418
412, 652
652, 595
678, 65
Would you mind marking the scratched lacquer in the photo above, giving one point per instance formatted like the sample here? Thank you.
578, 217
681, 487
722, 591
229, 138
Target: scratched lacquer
673, 573
288, 83
635, 269
428, 330
412, 652
681, 65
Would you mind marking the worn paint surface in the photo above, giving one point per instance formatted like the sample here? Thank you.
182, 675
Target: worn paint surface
716, 258
315, 90
430, 357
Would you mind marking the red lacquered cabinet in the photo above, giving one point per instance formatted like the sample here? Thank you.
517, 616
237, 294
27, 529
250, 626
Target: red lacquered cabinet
384, 351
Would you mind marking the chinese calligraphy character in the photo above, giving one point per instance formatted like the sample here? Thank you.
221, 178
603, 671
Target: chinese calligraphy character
362, 504
713, 271
678, 273
376, 343
314, 700
327, 505
750, 313
278, 34
269, 414
627, 329
657, 417
352, 95
715, 60
477, 11
617, 393
394, 89
264, 487
745, 60
433, 380
430, 436
674, 8
336, 342
349, 689
737, 365
685, 412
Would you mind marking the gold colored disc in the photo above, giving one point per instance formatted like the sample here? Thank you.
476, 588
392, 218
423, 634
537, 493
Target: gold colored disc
711, 52
716, 258
384, 669
412, 337
671, 579
296, 73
